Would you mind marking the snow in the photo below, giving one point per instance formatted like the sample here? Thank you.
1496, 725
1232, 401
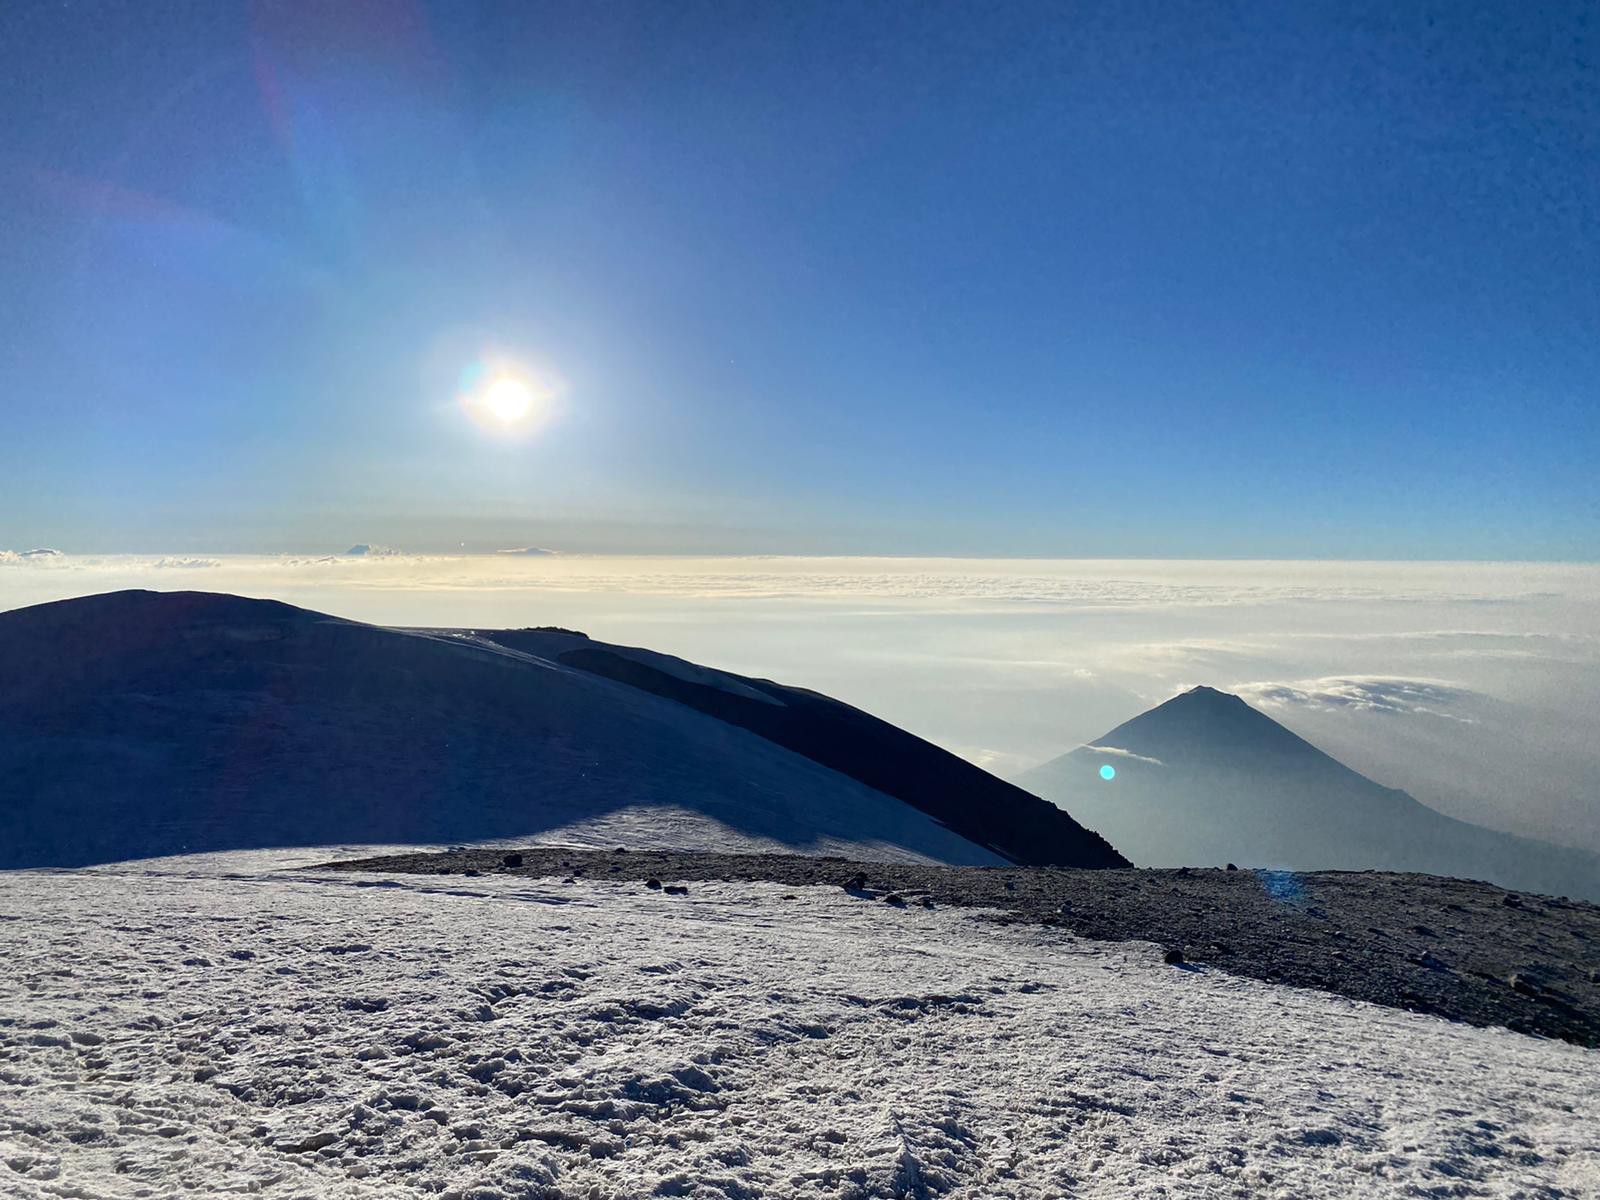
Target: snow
690, 672
396, 736
220, 1025
553, 644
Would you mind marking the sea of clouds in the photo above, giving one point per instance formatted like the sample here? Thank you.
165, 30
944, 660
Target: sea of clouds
1471, 685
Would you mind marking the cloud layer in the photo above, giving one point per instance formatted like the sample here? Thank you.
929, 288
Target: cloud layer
1470, 685
1366, 693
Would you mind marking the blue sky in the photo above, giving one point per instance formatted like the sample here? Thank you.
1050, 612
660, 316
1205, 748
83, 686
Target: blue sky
1100, 279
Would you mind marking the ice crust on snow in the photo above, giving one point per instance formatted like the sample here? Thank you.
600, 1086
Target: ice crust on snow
219, 1025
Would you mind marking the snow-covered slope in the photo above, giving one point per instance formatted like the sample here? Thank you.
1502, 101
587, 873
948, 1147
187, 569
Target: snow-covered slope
961, 796
141, 723
202, 1028
1205, 779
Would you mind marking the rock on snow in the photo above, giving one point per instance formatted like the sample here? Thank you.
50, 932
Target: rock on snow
218, 1025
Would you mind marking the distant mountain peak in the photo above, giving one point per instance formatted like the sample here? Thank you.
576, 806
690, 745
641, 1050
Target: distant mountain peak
1204, 779
1205, 696
1206, 720
1206, 691
1204, 702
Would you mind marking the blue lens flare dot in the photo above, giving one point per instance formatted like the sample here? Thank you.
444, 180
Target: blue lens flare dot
1108, 772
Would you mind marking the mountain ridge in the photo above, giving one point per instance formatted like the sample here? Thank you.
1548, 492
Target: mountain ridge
135, 724
1016, 824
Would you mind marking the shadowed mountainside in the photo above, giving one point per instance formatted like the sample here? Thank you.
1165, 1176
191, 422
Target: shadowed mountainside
135, 724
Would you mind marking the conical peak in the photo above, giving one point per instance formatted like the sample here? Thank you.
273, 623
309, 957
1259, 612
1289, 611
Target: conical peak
1211, 697
1207, 721
1207, 704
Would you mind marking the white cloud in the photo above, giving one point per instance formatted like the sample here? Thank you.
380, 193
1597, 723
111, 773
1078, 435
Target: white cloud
1363, 693
1119, 752
399, 568
185, 564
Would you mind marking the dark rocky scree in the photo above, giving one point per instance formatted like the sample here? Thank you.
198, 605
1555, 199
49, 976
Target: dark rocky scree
1466, 951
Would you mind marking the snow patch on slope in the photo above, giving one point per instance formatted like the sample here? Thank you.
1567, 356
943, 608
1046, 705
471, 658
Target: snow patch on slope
210, 1024
671, 827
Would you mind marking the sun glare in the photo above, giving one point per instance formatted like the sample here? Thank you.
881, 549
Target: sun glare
506, 398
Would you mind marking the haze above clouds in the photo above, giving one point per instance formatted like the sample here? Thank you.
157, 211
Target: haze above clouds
1472, 686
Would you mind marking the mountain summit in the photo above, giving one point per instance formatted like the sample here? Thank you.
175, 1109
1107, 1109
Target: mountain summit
1204, 720
1205, 779
135, 724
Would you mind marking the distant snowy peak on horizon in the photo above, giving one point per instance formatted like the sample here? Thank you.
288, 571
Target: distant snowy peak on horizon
135, 724
1205, 779
366, 550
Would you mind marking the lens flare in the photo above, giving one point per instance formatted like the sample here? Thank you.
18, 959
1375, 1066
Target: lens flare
1283, 886
1108, 772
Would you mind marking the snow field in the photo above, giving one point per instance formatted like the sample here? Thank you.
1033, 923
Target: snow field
218, 1026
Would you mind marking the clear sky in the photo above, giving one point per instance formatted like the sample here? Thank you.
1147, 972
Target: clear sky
1305, 279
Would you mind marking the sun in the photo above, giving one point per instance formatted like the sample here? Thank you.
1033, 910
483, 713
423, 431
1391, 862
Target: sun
507, 399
